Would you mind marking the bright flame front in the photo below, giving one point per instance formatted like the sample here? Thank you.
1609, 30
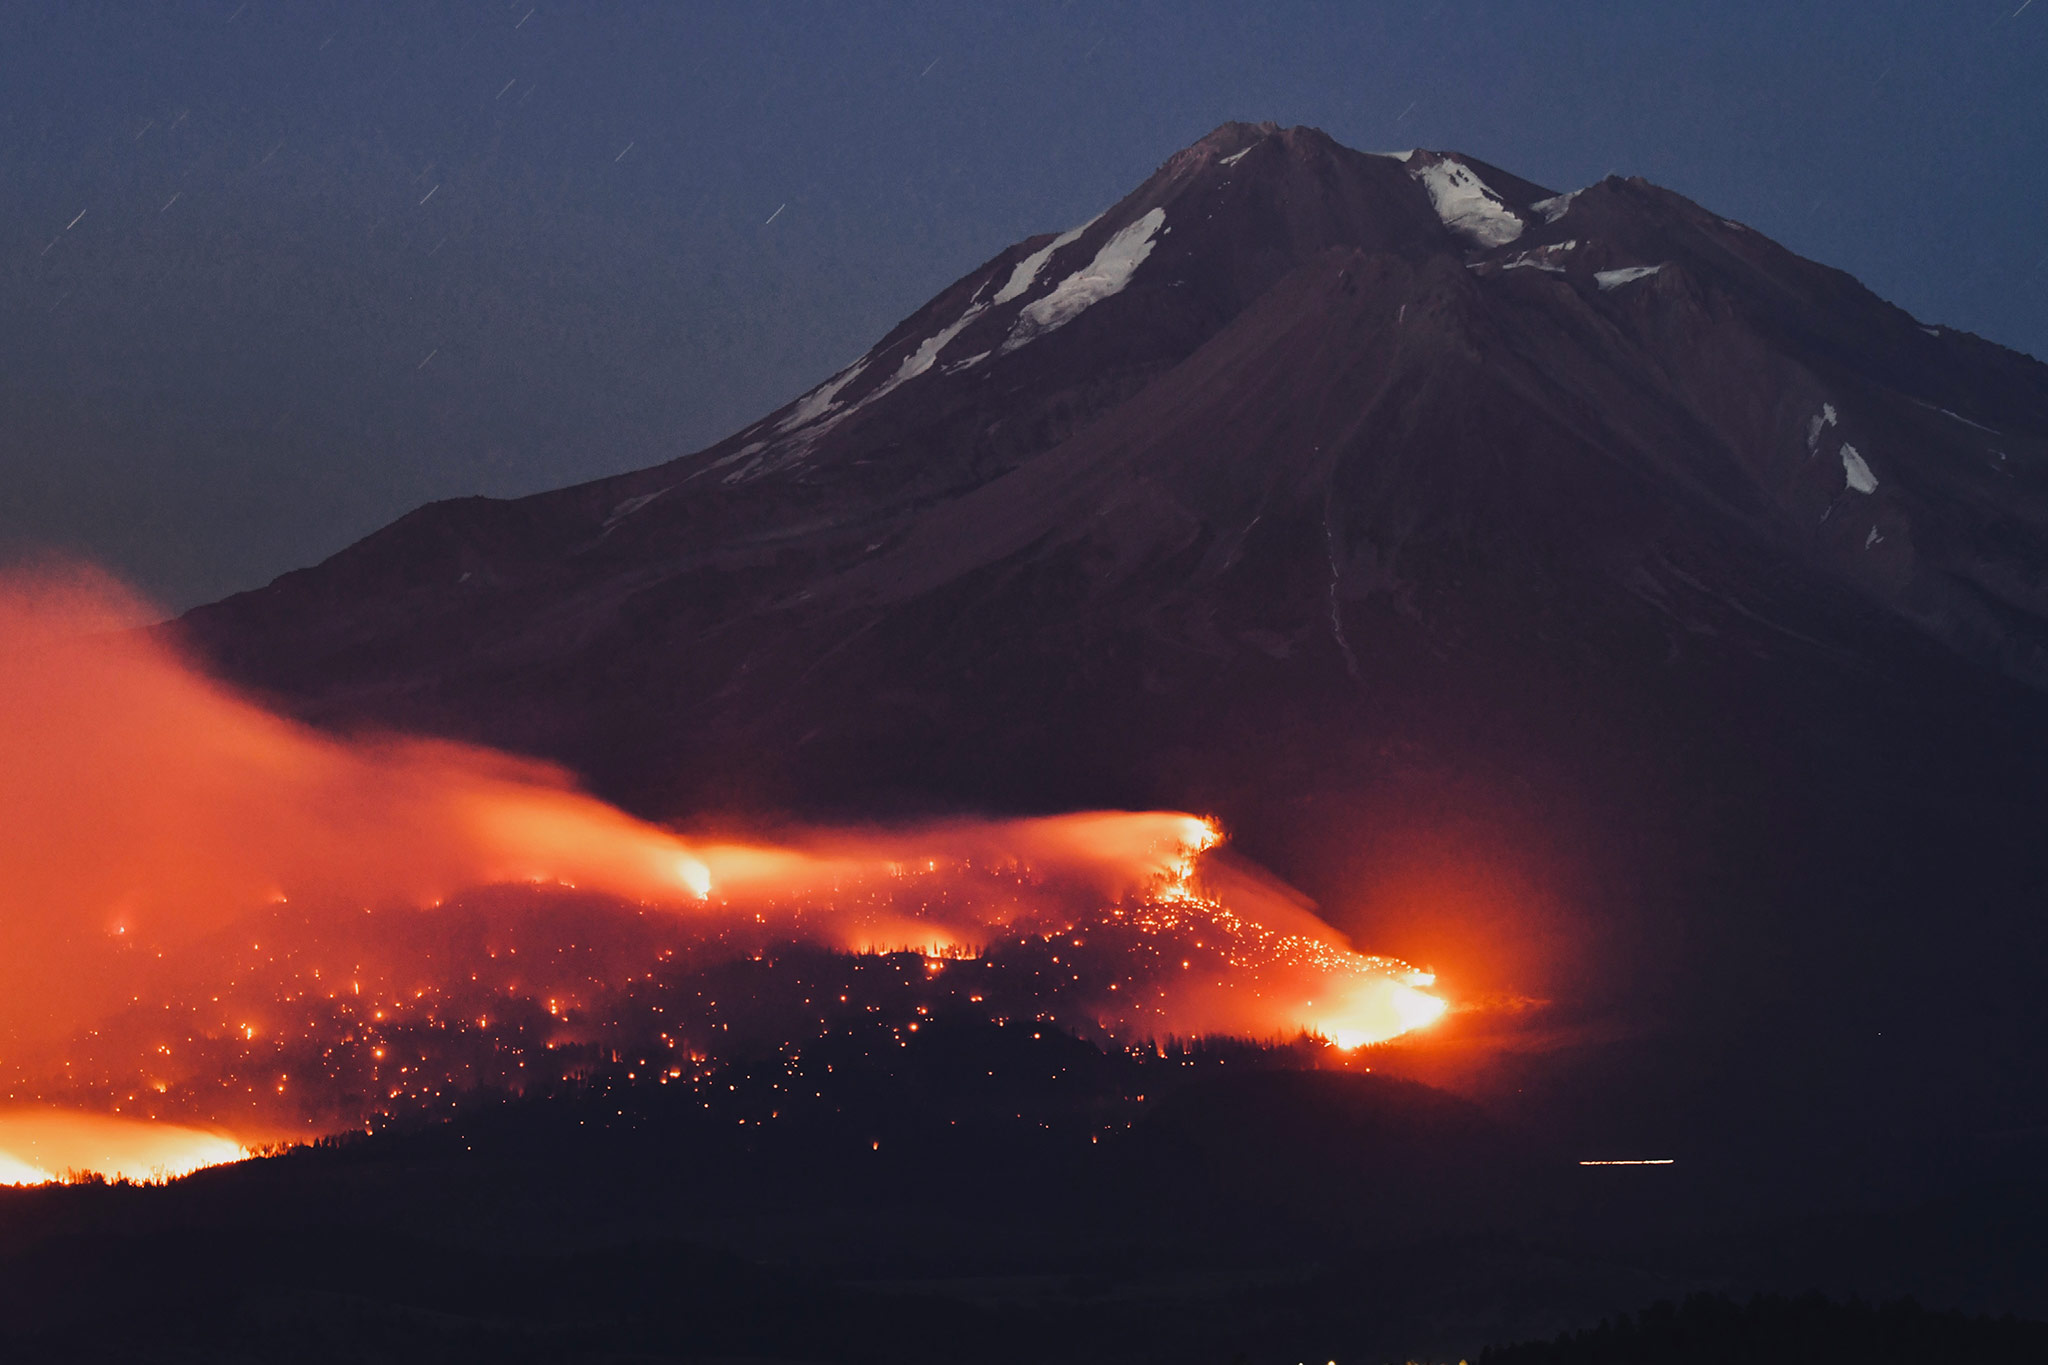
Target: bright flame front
40, 1144
1384, 1007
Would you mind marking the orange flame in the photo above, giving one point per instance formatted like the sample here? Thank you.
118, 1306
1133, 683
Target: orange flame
145, 811
40, 1144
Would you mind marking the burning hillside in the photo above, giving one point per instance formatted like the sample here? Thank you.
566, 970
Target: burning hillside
217, 917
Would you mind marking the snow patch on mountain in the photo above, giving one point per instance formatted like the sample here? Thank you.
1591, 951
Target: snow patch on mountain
1467, 206
920, 359
1555, 207
927, 352
749, 449
1822, 420
1544, 258
1615, 279
1858, 473
1957, 416
820, 411
822, 399
1026, 273
1236, 157
1101, 278
628, 507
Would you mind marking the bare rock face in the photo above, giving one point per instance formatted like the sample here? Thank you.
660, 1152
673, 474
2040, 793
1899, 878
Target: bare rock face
1355, 498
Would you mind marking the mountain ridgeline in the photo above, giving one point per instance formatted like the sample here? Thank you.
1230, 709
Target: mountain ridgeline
1281, 396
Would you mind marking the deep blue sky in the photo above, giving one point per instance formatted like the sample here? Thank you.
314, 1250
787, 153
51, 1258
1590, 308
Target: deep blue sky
204, 390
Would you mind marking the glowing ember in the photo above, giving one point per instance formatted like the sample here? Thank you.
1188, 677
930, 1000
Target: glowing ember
214, 915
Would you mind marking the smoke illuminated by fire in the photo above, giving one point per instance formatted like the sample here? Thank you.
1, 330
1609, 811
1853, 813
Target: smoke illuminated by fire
40, 1144
213, 915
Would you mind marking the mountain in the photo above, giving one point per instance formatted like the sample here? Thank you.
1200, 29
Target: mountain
1577, 591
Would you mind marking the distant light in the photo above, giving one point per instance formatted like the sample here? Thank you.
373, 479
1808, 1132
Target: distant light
1638, 1161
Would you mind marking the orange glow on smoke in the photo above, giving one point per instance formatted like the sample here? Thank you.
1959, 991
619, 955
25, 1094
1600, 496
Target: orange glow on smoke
169, 850
40, 1144
142, 804
1381, 1008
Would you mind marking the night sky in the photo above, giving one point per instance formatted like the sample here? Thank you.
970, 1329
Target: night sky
273, 273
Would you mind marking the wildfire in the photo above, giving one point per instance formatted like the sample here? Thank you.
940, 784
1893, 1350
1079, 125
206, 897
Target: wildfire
39, 1144
211, 913
1382, 1008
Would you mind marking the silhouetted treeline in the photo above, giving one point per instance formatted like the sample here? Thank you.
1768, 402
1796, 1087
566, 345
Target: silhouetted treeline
1005, 1192
1708, 1329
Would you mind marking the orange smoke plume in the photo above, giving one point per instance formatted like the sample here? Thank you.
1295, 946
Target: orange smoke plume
185, 877
142, 805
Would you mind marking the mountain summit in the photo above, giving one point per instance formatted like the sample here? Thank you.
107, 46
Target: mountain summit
1287, 410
